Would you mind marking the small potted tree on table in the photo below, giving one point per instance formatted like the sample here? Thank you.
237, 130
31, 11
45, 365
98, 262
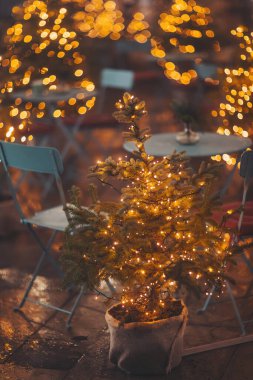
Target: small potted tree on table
157, 237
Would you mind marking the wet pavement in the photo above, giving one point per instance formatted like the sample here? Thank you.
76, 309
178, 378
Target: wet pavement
35, 344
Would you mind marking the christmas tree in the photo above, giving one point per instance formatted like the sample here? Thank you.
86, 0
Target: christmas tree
158, 237
186, 30
42, 48
234, 114
46, 45
182, 29
99, 19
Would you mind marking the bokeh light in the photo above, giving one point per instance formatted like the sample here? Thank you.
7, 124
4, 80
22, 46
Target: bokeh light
43, 58
234, 114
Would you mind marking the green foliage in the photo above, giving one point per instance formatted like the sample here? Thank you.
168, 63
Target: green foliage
159, 236
186, 112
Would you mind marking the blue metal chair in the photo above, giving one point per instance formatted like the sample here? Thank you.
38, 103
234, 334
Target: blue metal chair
45, 161
110, 79
114, 79
246, 172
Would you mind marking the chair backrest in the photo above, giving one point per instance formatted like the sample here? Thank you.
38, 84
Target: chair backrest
115, 79
31, 159
118, 79
206, 70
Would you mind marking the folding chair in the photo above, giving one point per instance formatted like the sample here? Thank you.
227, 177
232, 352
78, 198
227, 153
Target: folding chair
45, 161
116, 79
206, 70
243, 230
109, 79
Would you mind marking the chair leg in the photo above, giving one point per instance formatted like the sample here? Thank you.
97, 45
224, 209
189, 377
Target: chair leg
75, 131
110, 286
47, 248
45, 254
67, 134
30, 285
74, 307
50, 181
234, 304
207, 301
236, 310
247, 262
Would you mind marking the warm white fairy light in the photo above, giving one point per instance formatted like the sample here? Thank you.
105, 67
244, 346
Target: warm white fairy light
235, 111
152, 241
43, 50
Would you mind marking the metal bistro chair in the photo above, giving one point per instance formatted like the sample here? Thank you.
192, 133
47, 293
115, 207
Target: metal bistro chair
244, 227
109, 79
116, 79
45, 161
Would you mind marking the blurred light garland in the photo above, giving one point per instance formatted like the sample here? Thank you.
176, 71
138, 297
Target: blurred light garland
184, 25
100, 19
44, 45
42, 51
138, 28
235, 111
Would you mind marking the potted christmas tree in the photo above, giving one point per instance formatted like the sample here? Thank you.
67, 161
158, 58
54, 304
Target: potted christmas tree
157, 238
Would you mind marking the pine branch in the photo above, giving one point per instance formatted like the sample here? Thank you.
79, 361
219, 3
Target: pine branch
109, 184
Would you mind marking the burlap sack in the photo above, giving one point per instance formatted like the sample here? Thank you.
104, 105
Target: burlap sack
147, 348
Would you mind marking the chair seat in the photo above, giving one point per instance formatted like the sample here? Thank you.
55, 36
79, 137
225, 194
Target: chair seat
232, 222
54, 218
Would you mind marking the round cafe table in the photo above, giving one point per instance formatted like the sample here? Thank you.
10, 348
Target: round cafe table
51, 98
68, 136
210, 144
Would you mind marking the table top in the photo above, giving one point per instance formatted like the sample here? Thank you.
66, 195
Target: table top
51, 96
210, 144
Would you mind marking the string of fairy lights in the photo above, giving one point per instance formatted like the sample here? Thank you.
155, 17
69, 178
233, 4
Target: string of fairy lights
234, 113
43, 51
138, 28
184, 24
45, 45
100, 19
152, 240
